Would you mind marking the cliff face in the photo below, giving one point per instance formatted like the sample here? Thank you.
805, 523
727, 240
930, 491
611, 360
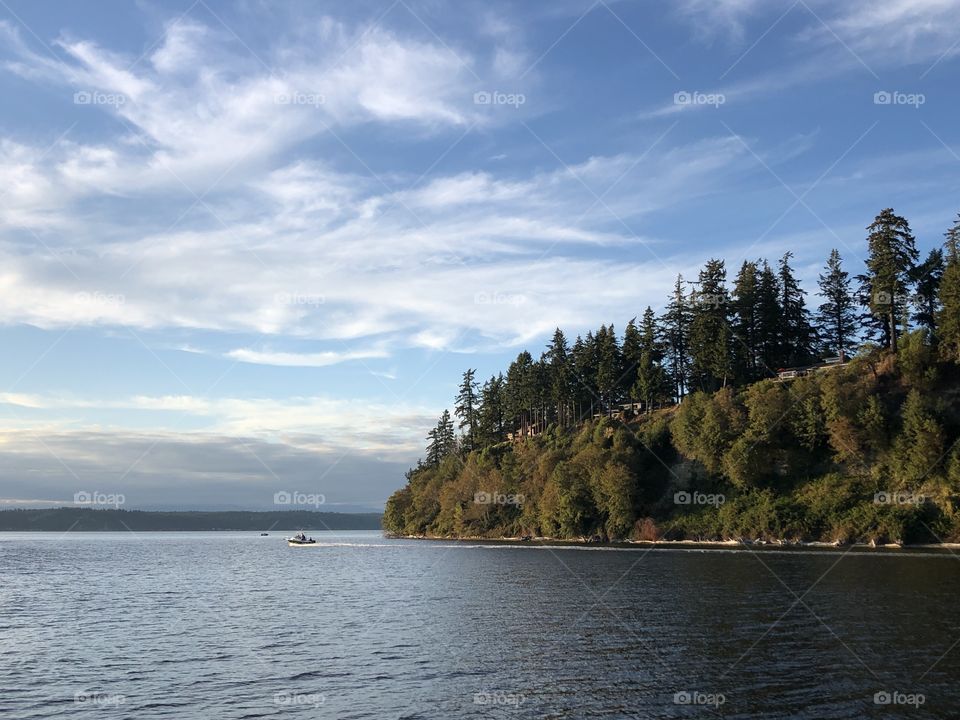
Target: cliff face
863, 452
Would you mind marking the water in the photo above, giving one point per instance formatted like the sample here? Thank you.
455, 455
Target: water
233, 625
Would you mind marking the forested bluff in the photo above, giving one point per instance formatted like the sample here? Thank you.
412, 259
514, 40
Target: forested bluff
742, 412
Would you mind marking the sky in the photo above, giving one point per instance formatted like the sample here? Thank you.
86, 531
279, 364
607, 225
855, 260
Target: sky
248, 248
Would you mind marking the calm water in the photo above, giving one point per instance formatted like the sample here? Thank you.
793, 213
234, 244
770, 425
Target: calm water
232, 625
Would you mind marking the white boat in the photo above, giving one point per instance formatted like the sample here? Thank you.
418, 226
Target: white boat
300, 540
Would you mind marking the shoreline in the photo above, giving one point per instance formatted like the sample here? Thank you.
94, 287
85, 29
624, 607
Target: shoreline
697, 544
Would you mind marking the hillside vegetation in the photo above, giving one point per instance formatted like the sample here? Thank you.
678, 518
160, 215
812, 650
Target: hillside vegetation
716, 443
858, 453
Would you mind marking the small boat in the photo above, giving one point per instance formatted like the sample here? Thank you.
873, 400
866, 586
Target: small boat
300, 539
264, 534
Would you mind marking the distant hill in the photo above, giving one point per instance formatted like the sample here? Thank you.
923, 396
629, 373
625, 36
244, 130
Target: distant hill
66, 519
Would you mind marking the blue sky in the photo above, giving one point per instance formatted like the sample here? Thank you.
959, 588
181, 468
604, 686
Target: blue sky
250, 247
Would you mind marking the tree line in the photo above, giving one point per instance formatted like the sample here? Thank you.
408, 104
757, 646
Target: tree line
714, 334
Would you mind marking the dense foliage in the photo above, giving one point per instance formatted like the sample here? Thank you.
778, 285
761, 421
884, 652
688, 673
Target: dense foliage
715, 443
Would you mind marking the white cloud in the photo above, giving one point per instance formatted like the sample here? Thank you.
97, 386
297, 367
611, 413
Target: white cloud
391, 429
317, 254
289, 359
881, 32
891, 32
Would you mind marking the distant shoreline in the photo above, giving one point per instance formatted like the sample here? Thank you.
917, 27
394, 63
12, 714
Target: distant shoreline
70, 519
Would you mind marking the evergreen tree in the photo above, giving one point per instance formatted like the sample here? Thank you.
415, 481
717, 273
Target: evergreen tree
768, 319
585, 373
631, 351
744, 322
651, 385
892, 256
560, 376
949, 316
443, 440
919, 447
836, 317
676, 331
797, 334
926, 278
609, 367
490, 422
519, 392
710, 329
466, 409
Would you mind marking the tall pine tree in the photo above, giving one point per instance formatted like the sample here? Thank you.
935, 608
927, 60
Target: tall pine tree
769, 322
926, 278
676, 331
651, 385
560, 377
797, 334
466, 409
745, 322
892, 256
836, 317
948, 325
710, 329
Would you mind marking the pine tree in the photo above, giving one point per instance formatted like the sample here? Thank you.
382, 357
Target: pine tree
443, 440
836, 319
651, 385
768, 319
744, 322
650, 334
560, 376
466, 408
447, 434
710, 329
797, 335
584, 374
926, 278
609, 366
491, 416
676, 331
948, 324
519, 400
892, 256
918, 450
631, 351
